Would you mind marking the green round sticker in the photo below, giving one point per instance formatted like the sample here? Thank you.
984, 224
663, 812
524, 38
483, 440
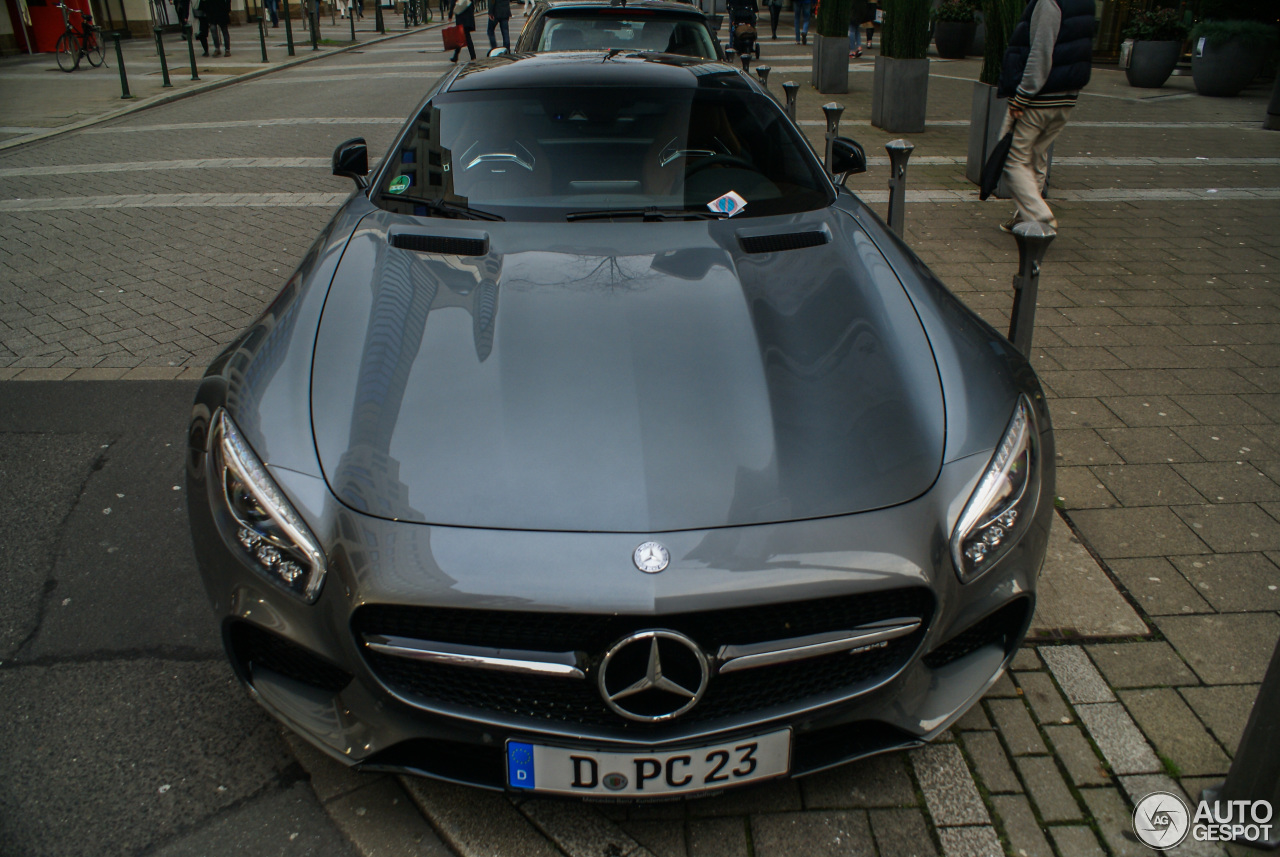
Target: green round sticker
399, 184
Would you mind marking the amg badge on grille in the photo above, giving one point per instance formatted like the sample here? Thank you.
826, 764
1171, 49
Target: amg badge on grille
651, 557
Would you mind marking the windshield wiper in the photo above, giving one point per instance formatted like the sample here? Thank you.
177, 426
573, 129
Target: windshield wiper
445, 208
653, 212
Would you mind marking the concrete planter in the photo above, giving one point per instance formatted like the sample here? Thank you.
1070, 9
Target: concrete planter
953, 38
1223, 71
1151, 63
899, 93
830, 64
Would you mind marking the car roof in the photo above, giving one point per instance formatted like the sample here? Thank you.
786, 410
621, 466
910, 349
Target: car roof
597, 68
657, 5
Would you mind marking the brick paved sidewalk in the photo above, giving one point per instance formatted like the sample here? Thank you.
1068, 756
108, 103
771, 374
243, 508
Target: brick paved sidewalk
1158, 342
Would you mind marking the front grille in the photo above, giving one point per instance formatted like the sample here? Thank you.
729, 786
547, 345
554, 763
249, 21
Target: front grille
1001, 627
254, 647
575, 701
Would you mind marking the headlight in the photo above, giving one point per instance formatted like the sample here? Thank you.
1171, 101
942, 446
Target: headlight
268, 533
1002, 506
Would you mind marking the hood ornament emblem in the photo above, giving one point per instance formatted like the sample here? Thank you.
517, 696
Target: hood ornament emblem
651, 557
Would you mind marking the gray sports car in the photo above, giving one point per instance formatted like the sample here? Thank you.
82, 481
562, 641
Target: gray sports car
604, 445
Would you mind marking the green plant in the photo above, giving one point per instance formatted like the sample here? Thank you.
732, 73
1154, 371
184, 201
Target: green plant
906, 29
1001, 17
832, 18
1170, 767
958, 11
1162, 25
1251, 35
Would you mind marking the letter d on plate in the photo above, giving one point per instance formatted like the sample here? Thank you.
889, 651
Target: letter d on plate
520, 765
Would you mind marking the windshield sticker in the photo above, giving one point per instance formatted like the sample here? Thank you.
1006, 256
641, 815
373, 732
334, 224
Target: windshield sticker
728, 205
399, 184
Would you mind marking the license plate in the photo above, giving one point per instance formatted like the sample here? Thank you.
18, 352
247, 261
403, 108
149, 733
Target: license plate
556, 770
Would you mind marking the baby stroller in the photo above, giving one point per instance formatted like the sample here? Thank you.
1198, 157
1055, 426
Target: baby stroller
742, 27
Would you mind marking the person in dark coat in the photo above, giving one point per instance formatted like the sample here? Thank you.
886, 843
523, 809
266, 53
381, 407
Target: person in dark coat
500, 16
775, 12
859, 14
216, 16
465, 17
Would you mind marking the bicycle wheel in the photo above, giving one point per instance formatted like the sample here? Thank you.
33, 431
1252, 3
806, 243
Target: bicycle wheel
93, 48
68, 52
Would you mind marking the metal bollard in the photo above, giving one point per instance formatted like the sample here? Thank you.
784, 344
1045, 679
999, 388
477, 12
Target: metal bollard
288, 28
262, 36
164, 63
791, 89
377, 17
1033, 240
1272, 122
315, 24
730, 55
762, 72
351, 16
1255, 770
191, 50
832, 110
746, 63
124, 78
899, 152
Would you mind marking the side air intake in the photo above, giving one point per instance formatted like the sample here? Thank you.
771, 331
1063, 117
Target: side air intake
440, 244
782, 241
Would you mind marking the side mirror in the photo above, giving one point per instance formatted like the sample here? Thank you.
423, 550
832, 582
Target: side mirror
497, 52
351, 159
847, 157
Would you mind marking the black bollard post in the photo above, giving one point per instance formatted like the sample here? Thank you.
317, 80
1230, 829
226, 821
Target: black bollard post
1272, 122
899, 152
1255, 771
730, 55
404, 7
164, 63
315, 24
762, 72
288, 29
377, 18
191, 50
832, 110
1033, 240
351, 16
262, 36
791, 89
124, 78
746, 63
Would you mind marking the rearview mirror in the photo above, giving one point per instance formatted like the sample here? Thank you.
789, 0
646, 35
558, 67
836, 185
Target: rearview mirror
351, 159
847, 157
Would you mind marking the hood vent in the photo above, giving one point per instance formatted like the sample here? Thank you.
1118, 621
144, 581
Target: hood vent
782, 241
440, 244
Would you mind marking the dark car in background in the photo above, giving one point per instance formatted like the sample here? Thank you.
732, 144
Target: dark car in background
661, 26
603, 445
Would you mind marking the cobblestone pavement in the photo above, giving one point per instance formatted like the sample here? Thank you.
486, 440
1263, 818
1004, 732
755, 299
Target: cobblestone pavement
138, 247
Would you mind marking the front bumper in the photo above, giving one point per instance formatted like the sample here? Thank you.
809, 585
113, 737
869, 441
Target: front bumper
307, 665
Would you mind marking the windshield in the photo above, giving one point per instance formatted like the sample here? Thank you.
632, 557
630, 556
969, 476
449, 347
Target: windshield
634, 31
551, 154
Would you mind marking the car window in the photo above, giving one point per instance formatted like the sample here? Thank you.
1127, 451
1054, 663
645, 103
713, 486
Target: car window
541, 154
606, 30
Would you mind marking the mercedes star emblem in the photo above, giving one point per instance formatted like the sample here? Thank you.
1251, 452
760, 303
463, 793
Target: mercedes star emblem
653, 676
651, 557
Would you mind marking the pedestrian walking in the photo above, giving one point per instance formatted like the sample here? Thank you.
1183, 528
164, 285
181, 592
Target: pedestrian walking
775, 12
272, 8
1046, 65
183, 10
214, 15
500, 16
803, 9
859, 15
465, 16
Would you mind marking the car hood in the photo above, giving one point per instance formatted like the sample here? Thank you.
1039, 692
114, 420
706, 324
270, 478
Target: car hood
619, 377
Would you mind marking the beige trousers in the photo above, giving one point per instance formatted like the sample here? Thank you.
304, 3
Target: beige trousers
1028, 161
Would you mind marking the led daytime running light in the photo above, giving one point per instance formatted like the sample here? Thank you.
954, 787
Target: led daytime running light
239, 458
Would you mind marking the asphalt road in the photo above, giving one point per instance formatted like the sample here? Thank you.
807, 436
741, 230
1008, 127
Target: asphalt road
124, 732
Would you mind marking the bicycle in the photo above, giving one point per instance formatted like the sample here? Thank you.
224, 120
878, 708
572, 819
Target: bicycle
89, 45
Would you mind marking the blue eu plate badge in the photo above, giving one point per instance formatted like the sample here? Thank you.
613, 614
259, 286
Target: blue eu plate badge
520, 765
728, 205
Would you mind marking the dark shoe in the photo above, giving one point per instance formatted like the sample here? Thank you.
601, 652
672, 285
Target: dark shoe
205, 54
227, 52
804, 40
1007, 226
217, 52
